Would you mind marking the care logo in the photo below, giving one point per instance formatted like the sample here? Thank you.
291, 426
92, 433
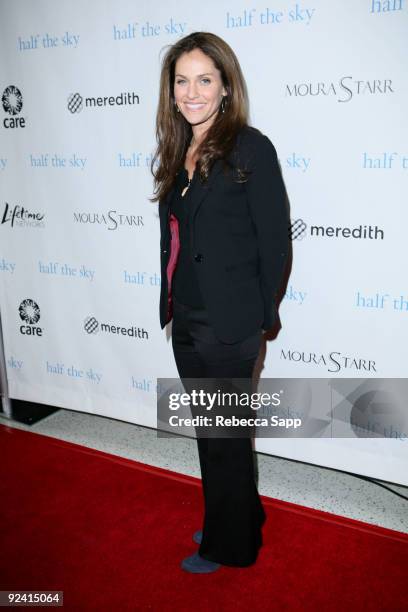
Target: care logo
12, 102
29, 312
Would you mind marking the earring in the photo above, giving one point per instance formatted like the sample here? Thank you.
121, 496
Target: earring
175, 104
223, 104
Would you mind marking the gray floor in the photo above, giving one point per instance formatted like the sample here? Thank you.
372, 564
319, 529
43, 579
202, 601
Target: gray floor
293, 481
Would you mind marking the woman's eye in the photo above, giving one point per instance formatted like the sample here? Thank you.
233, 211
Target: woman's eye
202, 80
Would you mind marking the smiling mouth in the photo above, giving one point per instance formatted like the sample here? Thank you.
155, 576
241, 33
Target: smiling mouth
194, 107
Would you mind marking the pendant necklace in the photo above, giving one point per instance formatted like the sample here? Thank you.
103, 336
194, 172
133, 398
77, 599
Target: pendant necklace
189, 179
186, 187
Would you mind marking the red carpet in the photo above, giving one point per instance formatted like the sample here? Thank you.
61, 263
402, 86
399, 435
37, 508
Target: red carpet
111, 532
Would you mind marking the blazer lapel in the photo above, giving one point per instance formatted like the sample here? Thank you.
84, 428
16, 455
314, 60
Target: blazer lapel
200, 190
198, 193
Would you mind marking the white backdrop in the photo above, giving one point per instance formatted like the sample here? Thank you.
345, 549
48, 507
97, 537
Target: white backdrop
79, 250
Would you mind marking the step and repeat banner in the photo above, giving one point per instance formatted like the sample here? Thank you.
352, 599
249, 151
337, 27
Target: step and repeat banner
79, 239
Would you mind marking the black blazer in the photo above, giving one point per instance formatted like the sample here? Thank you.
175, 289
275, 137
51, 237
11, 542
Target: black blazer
239, 240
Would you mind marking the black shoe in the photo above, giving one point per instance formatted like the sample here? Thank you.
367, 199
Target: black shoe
197, 565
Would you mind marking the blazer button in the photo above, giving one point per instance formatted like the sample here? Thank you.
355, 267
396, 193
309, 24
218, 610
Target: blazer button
164, 251
198, 257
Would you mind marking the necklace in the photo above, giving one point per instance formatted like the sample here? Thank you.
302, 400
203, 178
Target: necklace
189, 179
186, 187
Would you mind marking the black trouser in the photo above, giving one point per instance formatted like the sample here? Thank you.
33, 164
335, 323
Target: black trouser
234, 513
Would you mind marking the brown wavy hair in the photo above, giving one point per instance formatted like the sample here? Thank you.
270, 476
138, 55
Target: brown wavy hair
174, 132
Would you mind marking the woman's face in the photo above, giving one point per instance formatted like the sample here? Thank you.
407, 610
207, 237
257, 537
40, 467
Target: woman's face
198, 87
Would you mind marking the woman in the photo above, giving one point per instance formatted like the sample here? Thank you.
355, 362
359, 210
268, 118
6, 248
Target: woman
224, 244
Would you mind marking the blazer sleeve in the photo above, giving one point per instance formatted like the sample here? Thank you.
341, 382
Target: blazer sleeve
267, 201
